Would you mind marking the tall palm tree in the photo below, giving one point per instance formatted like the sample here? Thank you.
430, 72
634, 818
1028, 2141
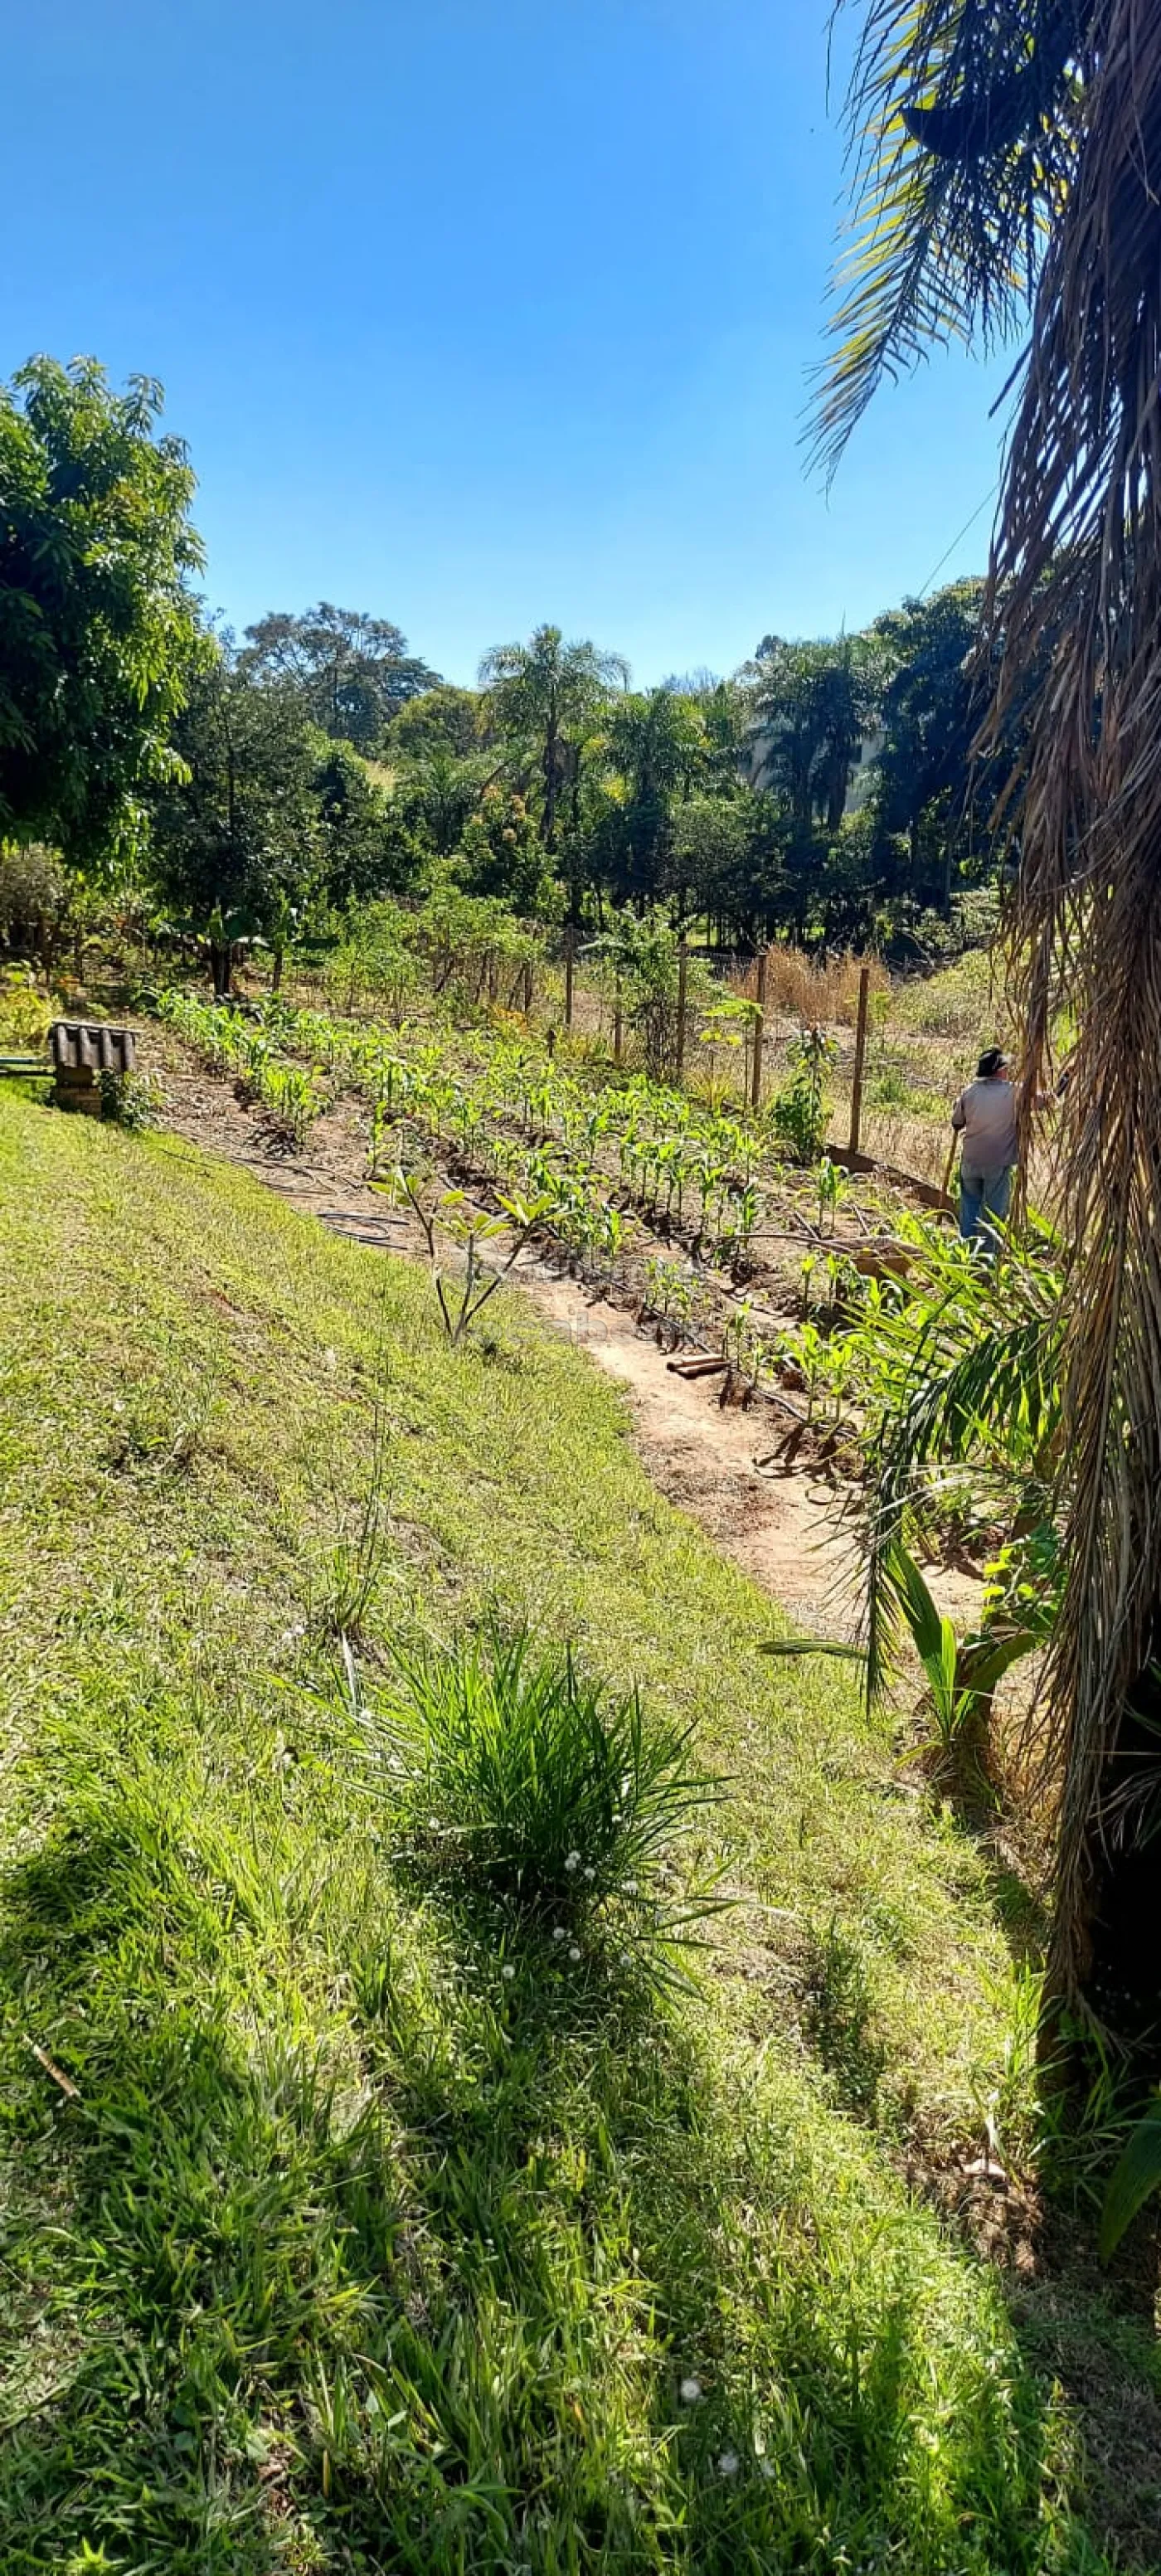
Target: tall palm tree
814, 702
1008, 154
543, 694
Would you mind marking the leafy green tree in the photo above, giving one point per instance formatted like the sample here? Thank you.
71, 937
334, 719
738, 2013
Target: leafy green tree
541, 697
42, 902
98, 630
237, 834
352, 672
502, 854
442, 719
659, 750
368, 847
727, 861
438, 794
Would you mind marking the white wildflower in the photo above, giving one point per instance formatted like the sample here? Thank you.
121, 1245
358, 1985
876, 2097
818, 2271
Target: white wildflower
573, 1861
729, 2464
558, 1932
508, 1970
690, 2391
574, 1953
629, 1887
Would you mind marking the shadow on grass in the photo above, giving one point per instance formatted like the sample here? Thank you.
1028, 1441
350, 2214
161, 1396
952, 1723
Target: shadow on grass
420, 2293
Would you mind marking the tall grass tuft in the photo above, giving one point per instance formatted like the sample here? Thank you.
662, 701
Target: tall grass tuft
519, 1775
821, 992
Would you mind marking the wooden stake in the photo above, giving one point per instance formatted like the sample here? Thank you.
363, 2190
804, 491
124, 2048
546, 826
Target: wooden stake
568, 972
618, 1029
759, 1037
682, 974
860, 1057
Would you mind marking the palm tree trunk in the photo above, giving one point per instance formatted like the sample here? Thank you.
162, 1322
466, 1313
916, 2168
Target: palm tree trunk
1106, 1953
551, 746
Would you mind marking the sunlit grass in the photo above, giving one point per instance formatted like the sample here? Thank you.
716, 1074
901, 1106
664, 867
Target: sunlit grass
347, 2248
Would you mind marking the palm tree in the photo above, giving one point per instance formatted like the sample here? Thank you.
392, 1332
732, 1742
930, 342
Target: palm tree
814, 703
543, 695
1008, 153
659, 746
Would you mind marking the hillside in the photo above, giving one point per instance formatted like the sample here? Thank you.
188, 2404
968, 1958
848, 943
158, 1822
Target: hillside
327, 2245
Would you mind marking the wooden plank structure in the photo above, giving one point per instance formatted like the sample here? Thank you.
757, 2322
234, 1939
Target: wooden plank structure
24, 1068
80, 1051
925, 1191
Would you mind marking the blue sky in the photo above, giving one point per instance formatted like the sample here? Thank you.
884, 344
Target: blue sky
478, 315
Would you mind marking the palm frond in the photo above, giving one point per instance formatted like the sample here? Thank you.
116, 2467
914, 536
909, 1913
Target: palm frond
962, 122
979, 1394
1075, 595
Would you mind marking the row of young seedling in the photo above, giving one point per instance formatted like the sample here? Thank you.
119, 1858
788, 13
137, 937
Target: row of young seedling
688, 1169
671, 1154
556, 1155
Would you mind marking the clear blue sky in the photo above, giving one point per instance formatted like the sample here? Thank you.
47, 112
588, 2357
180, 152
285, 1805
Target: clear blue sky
474, 315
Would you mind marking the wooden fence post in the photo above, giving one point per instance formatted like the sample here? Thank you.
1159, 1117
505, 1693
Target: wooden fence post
860, 1058
759, 1037
568, 971
682, 976
618, 1024
528, 988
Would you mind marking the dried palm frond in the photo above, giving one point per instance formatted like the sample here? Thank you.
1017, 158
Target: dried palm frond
962, 123
1076, 588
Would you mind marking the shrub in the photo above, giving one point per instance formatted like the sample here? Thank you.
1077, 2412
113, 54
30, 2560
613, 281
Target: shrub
643, 957
37, 898
134, 1101
25, 1015
801, 1113
522, 1777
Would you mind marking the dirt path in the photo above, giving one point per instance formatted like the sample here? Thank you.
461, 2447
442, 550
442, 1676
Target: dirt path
784, 1530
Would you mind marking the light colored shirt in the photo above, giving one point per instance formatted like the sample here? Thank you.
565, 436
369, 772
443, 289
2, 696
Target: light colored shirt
986, 1115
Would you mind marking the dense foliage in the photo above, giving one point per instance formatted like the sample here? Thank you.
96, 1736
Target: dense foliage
98, 636
821, 793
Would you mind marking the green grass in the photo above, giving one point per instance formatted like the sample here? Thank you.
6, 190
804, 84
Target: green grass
349, 2251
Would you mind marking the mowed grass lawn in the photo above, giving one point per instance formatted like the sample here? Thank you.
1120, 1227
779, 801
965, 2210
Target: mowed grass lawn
335, 2248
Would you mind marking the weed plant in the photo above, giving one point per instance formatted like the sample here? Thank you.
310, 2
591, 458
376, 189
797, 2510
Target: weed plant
516, 1773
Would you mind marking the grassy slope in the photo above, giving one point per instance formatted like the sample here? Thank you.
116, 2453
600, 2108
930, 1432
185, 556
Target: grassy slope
350, 2253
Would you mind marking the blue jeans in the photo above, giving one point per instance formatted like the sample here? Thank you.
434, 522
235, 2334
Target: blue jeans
984, 1199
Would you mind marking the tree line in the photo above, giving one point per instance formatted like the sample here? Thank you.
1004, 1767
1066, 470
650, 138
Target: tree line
252, 787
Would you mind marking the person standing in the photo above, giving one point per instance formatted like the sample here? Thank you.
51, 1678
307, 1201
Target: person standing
985, 1116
